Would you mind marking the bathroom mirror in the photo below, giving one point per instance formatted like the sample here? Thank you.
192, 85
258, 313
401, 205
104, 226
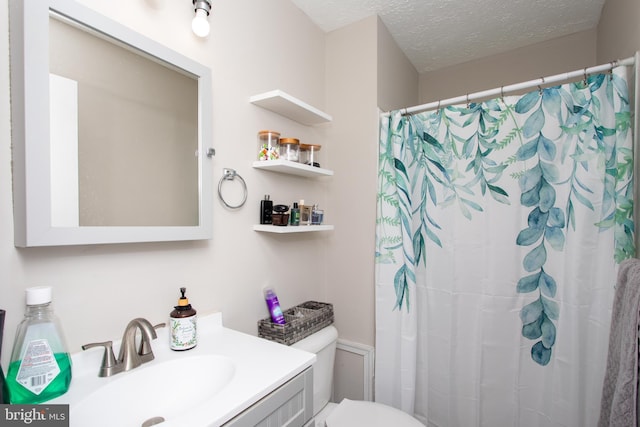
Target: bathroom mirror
111, 132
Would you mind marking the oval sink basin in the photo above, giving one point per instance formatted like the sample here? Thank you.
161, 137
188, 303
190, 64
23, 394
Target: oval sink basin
154, 392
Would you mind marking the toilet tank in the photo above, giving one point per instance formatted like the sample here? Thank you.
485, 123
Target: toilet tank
323, 345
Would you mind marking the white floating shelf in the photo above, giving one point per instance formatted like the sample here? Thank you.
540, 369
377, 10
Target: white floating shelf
288, 106
291, 229
291, 168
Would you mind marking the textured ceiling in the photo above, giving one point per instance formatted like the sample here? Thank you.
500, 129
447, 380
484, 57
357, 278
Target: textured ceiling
435, 34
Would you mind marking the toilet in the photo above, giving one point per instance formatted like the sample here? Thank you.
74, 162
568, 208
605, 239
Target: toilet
348, 413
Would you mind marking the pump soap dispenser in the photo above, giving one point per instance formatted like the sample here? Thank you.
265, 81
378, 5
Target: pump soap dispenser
182, 323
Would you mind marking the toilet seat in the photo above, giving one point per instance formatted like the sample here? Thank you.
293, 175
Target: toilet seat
351, 413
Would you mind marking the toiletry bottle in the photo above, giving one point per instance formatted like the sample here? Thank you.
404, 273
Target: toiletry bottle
266, 210
182, 324
40, 367
294, 218
305, 213
316, 215
274, 306
4, 393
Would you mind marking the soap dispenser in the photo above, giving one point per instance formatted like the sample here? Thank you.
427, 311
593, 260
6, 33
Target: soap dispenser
182, 324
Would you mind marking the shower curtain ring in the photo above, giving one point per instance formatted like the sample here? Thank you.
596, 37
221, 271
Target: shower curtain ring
540, 86
585, 77
438, 108
467, 100
502, 93
614, 64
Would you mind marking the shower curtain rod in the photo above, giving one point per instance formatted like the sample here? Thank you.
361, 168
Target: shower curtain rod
514, 87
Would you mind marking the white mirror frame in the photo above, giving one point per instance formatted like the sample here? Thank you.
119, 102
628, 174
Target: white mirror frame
29, 34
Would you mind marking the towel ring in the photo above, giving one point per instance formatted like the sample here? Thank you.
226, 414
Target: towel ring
229, 175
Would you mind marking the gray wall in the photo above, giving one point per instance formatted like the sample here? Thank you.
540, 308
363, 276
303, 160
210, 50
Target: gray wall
556, 56
618, 30
351, 97
365, 70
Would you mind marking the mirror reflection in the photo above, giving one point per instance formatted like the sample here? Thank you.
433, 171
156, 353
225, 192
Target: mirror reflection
124, 134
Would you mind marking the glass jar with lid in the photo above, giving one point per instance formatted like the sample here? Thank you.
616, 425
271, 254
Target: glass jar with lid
309, 154
289, 149
268, 145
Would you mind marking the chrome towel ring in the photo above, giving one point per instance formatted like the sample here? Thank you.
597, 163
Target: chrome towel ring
229, 175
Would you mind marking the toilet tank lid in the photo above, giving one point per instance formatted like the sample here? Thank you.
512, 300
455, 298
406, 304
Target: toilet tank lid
318, 340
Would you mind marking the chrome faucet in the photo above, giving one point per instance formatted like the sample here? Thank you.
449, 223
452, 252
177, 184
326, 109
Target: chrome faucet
130, 357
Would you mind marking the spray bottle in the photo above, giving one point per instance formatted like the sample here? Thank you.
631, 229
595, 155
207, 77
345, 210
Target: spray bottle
274, 306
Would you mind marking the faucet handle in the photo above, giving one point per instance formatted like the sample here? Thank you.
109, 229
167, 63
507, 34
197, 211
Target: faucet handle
159, 325
145, 350
108, 359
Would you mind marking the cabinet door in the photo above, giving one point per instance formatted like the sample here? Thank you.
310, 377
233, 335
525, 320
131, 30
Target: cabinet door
291, 405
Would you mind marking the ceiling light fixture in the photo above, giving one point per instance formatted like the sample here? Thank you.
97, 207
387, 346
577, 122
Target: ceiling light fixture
200, 23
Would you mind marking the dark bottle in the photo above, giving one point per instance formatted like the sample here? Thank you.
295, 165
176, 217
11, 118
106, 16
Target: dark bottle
266, 210
294, 219
183, 324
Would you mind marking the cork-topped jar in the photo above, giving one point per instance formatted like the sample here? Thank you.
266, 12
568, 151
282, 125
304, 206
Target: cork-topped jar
309, 154
268, 142
289, 149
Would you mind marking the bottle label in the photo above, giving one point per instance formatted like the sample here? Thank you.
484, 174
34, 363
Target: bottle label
38, 367
274, 308
183, 332
276, 314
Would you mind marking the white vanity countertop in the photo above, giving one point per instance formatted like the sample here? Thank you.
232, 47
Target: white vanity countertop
261, 367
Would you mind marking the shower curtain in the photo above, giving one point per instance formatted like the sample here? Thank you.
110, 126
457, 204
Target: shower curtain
500, 227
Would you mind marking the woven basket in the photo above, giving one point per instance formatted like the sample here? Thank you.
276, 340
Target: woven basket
301, 321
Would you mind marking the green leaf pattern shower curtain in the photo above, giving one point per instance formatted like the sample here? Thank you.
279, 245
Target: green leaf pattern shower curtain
499, 229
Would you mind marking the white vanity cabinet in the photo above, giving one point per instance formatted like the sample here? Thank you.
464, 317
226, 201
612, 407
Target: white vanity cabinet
291, 405
232, 379
288, 106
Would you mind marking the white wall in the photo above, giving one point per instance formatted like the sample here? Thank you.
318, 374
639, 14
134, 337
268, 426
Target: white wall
254, 46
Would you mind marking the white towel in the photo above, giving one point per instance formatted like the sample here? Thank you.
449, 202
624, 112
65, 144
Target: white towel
619, 391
